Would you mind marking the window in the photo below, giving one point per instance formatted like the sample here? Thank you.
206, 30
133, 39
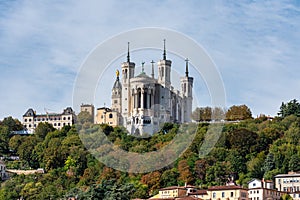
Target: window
58, 124
25, 120
115, 101
254, 184
223, 194
110, 115
214, 195
30, 120
64, 118
69, 118
231, 194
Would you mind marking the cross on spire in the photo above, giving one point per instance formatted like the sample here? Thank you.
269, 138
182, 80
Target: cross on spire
152, 74
143, 67
187, 67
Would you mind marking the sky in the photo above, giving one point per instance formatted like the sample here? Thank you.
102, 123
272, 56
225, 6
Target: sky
255, 46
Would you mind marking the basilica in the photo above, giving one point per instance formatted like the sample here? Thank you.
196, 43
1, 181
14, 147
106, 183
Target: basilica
143, 103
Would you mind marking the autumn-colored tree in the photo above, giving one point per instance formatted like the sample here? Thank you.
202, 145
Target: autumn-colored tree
240, 112
185, 174
152, 179
202, 114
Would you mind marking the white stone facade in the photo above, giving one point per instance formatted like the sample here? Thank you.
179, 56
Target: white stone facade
146, 102
58, 120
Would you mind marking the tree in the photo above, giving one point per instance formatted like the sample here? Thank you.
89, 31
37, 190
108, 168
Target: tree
15, 141
240, 112
243, 140
269, 163
286, 197
43, 129
202, 114
218, 113
294, 163
26, 151
84, 117
12, 124
290, 108
185, 174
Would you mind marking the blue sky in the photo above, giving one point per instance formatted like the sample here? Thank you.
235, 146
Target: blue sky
254, 44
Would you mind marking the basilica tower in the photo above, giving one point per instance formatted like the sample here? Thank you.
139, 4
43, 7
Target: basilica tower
116, 96
127, 73
164, 69
187, 94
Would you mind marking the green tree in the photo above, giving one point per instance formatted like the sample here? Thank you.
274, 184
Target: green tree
294, 163
240, 112
243, 140
290, 108
84, 117
286, 197
15, 142
12, 124
43, 129
269, 163
26, 151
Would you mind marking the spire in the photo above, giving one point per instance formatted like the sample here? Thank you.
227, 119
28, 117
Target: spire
128, 56
164, 54
187, 67
143, 67
152, 74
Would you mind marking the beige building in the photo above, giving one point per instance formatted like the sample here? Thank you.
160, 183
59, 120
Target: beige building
58, 120
107, 116
180, 192
88, 108
288, 182
230, 192
262, 190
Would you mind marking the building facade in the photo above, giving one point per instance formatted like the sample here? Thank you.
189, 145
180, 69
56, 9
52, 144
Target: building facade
262, 190
145, 102
90, 108
107, 116
230, 192
288, 182
58, 120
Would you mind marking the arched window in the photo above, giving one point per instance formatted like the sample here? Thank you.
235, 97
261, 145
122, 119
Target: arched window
110, 115
139, 98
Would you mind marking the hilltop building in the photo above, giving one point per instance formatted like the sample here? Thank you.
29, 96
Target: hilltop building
262, 189
58, 120
288, 182
142, 103
88, 108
